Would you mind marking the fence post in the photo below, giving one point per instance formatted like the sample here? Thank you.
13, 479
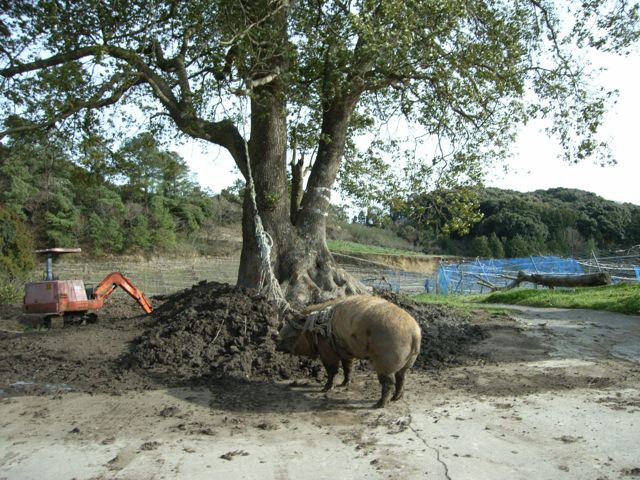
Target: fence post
596, 260
535, 267
459, 285
442, 270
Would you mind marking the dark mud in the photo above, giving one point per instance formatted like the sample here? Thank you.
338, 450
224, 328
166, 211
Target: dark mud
35, 360
226, 331
217, 330
209, 332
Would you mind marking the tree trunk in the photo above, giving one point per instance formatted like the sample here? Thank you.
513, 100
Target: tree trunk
552, 281
569, 281
267, 159
300, 259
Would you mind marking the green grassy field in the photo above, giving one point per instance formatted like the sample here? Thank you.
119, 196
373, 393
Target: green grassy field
341, 246
623, 298
459, 301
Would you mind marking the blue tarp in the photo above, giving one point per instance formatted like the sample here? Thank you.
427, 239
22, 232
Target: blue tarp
463, 277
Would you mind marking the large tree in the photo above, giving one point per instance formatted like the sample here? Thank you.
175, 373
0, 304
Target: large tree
261, 78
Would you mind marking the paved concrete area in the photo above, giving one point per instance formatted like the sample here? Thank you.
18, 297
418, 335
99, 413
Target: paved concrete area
559, 400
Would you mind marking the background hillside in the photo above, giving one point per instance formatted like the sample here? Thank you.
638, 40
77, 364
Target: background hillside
141, 199
504, 223
558, 221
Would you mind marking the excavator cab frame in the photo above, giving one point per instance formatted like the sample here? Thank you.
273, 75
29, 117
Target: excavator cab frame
56, 298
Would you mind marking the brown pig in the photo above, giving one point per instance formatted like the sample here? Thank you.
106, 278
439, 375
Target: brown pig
364, 327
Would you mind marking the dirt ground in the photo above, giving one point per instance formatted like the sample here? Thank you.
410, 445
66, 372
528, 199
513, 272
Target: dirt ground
197, 391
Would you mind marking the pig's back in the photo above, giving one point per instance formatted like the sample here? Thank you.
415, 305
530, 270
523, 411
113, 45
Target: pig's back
373, 328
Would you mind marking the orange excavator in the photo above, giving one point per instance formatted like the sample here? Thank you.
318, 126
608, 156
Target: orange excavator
55, 299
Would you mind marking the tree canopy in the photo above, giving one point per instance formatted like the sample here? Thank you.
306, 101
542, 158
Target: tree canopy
262, 78
134, 199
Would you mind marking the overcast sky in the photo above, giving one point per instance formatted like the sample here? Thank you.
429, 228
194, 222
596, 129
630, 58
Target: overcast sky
535, 164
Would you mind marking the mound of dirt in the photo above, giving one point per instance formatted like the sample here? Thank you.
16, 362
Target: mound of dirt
218, 330
222, 331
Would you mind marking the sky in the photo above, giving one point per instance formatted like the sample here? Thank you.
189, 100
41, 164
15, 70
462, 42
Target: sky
212, 167
535, 163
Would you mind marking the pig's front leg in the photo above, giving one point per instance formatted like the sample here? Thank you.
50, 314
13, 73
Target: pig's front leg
347, 366
330, 360
332, 370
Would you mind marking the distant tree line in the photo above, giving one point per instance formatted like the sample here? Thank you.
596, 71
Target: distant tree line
500, 223
141, 198
136, 198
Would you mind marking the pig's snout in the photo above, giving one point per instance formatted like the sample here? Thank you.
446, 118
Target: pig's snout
284, 345
279, 344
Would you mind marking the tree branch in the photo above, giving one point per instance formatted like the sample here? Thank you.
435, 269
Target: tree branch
552, 32
176, 65
55, 60
96, 101
223, 133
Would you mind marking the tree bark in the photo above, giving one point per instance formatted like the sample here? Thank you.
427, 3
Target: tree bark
312, 275
569, 281
300, 259
552, 281
297, 190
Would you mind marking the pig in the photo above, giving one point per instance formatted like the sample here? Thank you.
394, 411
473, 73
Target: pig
364, 327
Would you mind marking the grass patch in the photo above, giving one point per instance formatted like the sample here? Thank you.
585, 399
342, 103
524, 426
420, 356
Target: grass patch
10, 292
373, 236
342, 246
622, 298
465, 303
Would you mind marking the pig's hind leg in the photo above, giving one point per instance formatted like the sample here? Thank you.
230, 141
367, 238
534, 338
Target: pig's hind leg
399, 384
400, 374
386, 382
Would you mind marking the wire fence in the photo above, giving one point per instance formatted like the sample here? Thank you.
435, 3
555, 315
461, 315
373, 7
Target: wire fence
154, 277
469, 276
157, 277
622, 268
392, 279
474, 276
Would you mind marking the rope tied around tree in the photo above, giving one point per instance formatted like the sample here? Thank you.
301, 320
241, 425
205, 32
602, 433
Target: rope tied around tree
268, 283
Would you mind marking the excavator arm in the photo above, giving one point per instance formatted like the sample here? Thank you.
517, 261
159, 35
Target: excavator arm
115, 279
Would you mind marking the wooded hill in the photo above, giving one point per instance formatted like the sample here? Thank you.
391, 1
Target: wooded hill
556, 221
136, 199
143, 199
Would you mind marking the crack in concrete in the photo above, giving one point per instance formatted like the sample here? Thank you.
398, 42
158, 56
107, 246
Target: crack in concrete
433, 449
